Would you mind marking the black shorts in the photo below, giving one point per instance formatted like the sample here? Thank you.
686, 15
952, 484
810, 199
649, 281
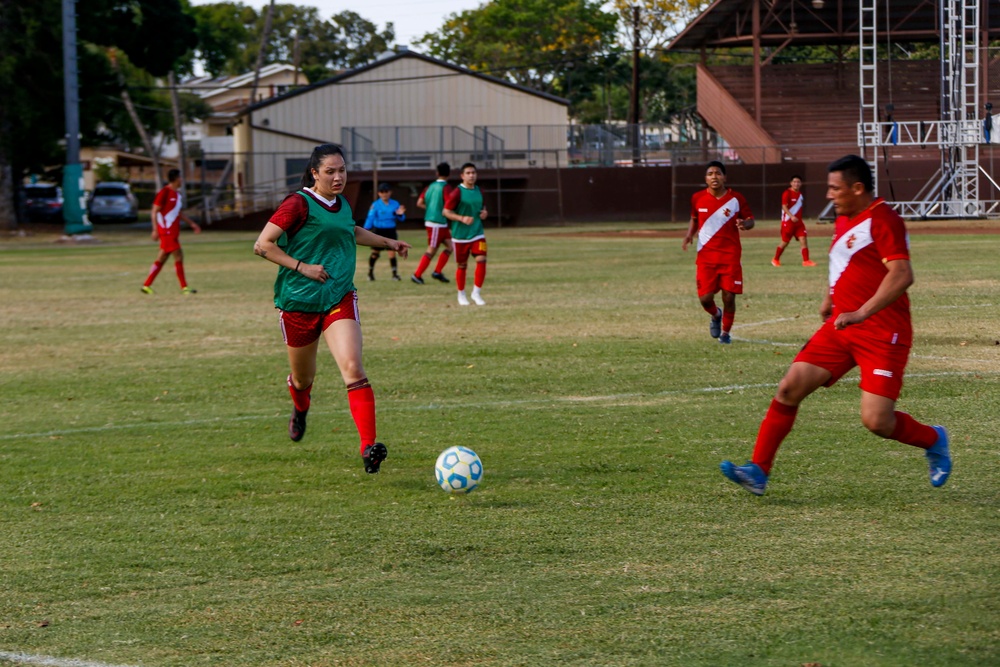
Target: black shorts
387, 233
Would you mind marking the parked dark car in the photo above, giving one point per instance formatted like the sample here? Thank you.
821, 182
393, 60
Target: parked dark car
113, 202
42, 202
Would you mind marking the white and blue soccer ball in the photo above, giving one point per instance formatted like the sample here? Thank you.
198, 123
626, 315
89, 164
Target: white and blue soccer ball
458, 470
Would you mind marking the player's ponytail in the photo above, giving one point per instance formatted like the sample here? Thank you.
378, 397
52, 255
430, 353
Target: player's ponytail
316, 159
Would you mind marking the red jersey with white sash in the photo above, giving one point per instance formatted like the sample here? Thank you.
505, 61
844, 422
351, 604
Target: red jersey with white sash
169, 201
791, 200
860, 248
718, 235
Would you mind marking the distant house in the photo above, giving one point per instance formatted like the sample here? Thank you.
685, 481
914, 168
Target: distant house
404, 111
228, 96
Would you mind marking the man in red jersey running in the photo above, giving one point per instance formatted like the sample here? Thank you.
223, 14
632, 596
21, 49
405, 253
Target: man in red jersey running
792, 226
866, 315
718, 214
167, 215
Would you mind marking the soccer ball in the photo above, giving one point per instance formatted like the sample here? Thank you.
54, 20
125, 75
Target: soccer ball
458, 470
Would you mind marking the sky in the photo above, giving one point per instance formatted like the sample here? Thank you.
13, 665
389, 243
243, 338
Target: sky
411, 18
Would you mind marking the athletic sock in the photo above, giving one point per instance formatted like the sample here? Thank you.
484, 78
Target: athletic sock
371, 261
480, 275
301, 398
392, 263
361, 399
727, 321
911, 432
422, 266
442, 260
179, 268
776, 426
460, 278
154, 271
805, 254
777, 252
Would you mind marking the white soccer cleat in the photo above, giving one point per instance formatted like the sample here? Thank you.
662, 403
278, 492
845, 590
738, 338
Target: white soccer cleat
477, 298
462, 299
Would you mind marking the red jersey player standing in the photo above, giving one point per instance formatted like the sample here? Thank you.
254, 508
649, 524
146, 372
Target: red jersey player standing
866, 316
718, 214
167, 215
792, 226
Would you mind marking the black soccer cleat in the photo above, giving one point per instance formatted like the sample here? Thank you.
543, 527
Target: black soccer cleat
297, 425
373, 457
440, 276
417, 279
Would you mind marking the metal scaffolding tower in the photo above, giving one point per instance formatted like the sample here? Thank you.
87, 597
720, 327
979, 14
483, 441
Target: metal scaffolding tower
953, 191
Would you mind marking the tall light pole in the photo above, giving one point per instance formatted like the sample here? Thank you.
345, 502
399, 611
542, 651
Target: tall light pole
633, 114
74, 200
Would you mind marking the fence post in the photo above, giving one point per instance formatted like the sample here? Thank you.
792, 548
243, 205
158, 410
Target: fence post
562, 217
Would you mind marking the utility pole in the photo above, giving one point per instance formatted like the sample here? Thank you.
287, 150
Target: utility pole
633, 115
74, 200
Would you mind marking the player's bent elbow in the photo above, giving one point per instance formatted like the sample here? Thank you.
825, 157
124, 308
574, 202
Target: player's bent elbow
748, 223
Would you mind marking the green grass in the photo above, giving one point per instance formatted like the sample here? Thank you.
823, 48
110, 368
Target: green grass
153, 511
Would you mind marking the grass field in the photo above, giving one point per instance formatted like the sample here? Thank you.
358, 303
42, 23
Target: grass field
153, 511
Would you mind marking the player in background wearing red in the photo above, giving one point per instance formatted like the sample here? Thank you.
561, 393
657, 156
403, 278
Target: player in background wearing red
792, 226
313, 240
718, 214
466, 210
432, 201
167, 215
866, 315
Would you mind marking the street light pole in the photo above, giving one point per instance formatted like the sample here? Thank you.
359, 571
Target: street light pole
634, 106
74, 200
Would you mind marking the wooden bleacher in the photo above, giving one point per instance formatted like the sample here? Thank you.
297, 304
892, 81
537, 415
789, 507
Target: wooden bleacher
812, 111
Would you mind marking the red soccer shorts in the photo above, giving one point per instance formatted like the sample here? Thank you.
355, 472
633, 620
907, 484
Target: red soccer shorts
792, 230
169, 242
880, 363
713, 277
465, 248
301, 329
438, 236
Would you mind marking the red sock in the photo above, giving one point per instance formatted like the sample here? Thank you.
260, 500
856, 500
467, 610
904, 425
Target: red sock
362, 401
442, 260
712, 309
911, 432
777, 424
727, 321
460, 278
422, 266
154, 270
300, 397
480, 274
778, 251
805, 254
179, 267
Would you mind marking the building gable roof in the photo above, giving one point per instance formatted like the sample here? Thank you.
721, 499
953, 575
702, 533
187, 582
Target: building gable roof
344, 76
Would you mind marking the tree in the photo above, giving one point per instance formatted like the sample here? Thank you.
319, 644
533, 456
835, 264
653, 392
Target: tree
535, 43
153, 34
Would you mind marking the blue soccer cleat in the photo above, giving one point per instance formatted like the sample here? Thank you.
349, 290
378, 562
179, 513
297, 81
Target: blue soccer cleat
749, 476
939, 458
725, 339
715, 325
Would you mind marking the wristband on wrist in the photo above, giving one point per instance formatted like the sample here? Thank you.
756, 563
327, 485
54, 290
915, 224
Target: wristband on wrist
297, 266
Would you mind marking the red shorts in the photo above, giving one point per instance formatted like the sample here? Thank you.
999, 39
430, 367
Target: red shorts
465, 248
880, 363
713, 277
793, 230
169, 242
438, 236
301, 329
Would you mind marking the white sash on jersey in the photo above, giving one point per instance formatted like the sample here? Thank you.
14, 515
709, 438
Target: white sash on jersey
717, 221
167, 221
842, 251
794, 209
